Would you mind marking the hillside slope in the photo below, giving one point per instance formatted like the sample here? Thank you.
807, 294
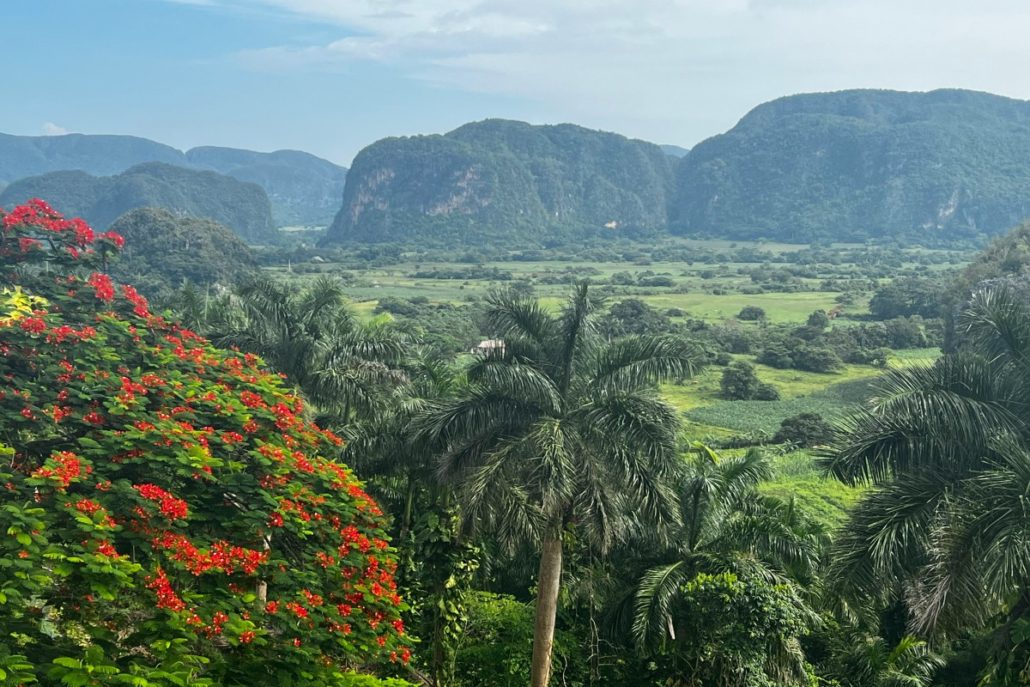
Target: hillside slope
242, 206
502, 180
861, 164
302, 188
163, 251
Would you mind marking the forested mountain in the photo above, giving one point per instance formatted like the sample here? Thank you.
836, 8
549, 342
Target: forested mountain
303, 189
26, 156
242, 206
163, 251
843, 166
861, 164
505, 180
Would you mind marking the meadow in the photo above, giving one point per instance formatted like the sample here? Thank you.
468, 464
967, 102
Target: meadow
715, 281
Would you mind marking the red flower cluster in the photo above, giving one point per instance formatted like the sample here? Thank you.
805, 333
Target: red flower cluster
103, 289
66, 468
140, 305
222, 556
171, 507
145, 396
38, 213
166, 596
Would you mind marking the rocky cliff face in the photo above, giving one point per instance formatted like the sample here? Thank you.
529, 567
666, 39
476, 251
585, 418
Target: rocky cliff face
502, 179
861, 164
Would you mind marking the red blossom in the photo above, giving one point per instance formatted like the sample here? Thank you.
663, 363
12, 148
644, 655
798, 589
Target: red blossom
103, 289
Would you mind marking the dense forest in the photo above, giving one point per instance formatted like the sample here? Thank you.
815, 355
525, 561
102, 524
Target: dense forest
242, 206
845, 166
502, 178
513, 480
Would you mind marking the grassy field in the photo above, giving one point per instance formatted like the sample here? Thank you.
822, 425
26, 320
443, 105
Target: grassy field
797, 476
711, 291
828, 394
707, 290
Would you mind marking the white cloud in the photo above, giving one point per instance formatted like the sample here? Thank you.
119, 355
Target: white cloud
51, 129
667, 68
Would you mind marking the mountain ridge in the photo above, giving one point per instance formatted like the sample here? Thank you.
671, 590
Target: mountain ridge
497, 176
101, 200
304, 188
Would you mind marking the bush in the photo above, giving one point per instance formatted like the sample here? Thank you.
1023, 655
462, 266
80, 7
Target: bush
722, 359
815, 359
818, 320
776, 354
166, 502
751, 313
740, 383
805, 430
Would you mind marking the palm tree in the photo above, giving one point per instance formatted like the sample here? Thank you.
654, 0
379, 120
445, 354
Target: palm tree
947, 450
872, 662
436, 563
557, 430
726, 525
345, 367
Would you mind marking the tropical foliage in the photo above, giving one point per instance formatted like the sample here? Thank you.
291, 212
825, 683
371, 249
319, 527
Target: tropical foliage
945, 528
551, 422
170, 516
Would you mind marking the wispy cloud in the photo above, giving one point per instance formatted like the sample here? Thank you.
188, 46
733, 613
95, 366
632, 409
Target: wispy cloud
51, 129
620, 62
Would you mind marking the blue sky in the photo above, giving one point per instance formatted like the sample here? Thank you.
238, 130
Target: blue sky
331, 76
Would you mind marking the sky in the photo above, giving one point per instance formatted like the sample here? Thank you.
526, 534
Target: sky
332, 76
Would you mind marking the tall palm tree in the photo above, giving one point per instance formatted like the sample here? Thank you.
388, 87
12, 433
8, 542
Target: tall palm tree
947, 449
726, 525
345, 367
557, 430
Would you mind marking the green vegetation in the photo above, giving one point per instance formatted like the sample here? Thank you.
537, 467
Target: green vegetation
304, 190
947, 449
861, 164
509, 181
101, 200
171, 516
575, 491
164, 251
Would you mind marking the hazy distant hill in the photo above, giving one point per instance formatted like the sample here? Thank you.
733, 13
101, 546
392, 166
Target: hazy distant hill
26, 156
502, 179
674, 150
163, 251
101, 200
303, 189
859, 164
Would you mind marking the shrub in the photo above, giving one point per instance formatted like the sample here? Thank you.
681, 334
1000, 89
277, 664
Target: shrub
168, 509
818, 320
740, 383
776, 354
751, 313
766, 392
806, 429
815, 359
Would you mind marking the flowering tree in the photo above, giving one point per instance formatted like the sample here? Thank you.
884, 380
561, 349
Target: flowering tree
168, 516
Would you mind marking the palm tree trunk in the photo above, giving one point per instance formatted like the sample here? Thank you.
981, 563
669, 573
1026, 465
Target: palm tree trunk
549, 585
